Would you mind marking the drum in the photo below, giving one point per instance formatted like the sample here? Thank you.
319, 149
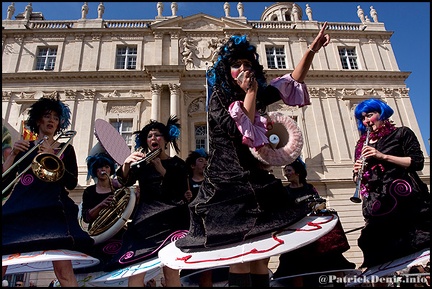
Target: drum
286, 142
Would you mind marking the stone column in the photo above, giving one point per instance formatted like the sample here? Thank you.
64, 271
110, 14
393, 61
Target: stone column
174, 99
156, 91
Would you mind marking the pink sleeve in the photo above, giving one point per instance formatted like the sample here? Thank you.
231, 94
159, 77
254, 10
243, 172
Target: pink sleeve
254, 134
292, 92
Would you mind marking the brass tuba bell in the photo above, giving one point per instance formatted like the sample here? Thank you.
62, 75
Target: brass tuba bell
110, 215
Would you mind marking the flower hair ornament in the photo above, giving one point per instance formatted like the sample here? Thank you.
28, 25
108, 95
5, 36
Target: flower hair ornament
170, 132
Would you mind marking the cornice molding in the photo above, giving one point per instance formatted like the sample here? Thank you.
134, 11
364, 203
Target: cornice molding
71, 76
181, 70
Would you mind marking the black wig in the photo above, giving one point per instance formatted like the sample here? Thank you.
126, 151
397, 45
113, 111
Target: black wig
170, 131
45, 105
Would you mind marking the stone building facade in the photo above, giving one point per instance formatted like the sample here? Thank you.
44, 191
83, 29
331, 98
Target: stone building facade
130, 71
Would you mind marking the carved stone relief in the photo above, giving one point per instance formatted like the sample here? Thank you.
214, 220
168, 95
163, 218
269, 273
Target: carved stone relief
122, 109
195, 51
197, 105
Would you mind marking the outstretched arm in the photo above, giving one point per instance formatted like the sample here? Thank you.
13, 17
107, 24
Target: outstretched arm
302, 68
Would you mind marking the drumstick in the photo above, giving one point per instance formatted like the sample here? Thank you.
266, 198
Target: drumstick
188, 183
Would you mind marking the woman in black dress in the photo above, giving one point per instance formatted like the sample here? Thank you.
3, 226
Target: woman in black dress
161, 214
239, 199
95, 198
396, 203
325, 254
40, 215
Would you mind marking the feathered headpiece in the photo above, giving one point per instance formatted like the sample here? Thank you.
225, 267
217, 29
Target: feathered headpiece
170, 131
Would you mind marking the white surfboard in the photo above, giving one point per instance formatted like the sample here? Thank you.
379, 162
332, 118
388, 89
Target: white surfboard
42, 260
389, 268
152, 266
304, 232
90, 279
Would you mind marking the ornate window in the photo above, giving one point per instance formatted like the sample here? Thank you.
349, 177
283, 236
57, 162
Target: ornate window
201, 137
126, 57
275, 57
46, 57
348, 58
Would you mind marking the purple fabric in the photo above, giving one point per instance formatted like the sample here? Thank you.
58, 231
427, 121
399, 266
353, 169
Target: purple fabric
254, 134
291, 91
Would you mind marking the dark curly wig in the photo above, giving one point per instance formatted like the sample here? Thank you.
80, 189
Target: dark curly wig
219, 75
170, 131
45, 105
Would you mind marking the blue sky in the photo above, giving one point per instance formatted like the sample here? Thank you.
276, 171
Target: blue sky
410, 22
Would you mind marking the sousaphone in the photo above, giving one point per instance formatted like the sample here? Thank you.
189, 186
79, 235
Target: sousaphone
115, 217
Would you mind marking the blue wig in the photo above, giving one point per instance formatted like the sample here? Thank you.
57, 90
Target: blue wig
371, 105
97, 161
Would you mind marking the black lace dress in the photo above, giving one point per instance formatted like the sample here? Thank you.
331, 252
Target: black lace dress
239, 199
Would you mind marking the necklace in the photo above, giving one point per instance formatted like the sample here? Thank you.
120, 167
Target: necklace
384, 130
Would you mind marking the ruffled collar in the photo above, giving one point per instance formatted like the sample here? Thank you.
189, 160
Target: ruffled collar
384, 130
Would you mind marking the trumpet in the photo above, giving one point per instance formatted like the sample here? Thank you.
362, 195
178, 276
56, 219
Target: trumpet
147, 159
47, 167
356, 197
